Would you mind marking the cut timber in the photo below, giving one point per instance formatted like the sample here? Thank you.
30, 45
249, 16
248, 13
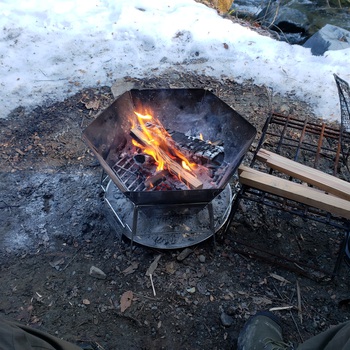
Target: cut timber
326, 182
294, 191
172, 166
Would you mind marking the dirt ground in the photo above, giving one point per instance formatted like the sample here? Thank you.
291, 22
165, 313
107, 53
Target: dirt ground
54, 229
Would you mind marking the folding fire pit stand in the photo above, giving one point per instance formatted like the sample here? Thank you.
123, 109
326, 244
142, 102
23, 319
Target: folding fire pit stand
184, 114
179, 231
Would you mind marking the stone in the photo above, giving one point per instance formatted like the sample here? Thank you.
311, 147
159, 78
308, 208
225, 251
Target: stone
121, 86
226, 320
283, 19
201, 258
184, 254
329, 37
97, 273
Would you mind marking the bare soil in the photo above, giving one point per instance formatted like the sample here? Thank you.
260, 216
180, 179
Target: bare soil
54, 229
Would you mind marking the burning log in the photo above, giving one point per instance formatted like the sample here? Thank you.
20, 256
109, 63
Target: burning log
207, 152
153, 180
172, 165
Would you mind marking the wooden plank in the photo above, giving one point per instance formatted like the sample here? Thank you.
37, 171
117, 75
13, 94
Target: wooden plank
294, 191
326, 182
185, 176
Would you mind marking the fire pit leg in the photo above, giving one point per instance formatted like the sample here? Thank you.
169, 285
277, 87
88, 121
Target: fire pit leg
211, 221
134, 225
104, 181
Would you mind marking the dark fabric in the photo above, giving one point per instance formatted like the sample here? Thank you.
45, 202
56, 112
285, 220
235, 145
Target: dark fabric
15, 336
335, 338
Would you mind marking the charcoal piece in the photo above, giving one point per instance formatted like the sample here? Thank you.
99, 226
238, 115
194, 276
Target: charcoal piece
139, 159
206, 152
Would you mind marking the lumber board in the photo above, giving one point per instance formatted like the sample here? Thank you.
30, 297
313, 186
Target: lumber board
294, 191
325, 182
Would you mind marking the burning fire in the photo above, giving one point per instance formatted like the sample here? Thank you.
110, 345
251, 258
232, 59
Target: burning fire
155, 141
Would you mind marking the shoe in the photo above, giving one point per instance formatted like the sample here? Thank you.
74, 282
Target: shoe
262, 332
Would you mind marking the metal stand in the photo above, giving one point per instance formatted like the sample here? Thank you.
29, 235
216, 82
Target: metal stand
166, 226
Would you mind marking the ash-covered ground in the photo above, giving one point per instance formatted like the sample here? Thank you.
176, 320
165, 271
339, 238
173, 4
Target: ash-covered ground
55, 229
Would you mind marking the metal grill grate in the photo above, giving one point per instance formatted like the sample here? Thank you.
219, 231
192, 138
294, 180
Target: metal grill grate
127, 171
312, 144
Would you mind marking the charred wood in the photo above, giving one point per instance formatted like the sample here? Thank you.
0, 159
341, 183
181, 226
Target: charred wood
206, 152
173, 167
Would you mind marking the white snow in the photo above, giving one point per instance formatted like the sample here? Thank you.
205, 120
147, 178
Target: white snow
51, 49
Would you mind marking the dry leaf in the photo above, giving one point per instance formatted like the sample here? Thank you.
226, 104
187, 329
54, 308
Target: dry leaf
131, 269
170, 267
86, 302
92, 104
153, 266
223, 5
125, 300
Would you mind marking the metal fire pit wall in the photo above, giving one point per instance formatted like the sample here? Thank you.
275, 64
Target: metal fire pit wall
189, 111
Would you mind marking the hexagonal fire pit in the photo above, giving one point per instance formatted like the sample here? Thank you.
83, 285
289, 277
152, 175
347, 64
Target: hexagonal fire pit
163, 147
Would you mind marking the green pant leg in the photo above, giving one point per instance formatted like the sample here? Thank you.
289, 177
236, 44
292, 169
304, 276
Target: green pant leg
335, 338
15, 336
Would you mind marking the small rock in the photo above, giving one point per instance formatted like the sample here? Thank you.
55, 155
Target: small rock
201, 258
226, 320
231, 310
191, 290
329, 37
97, 273
121, 86
184, 254
284, 108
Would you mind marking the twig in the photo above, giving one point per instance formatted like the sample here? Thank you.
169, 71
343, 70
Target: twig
299, 303
8, 206
277, 290
154, 291
296, 326
145, 296
280, 308
70, 261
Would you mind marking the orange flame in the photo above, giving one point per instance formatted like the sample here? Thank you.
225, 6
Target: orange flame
159, 141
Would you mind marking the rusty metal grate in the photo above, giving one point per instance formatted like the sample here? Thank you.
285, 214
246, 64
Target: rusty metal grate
317, 145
